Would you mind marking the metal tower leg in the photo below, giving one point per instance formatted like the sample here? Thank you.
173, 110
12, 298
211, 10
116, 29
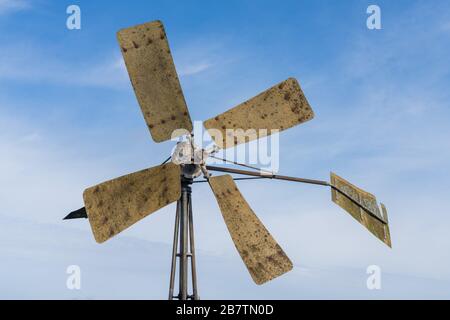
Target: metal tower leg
192, 243
184, 234
184, 243
174, 250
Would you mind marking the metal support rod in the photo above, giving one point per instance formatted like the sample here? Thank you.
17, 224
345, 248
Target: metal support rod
268, 176
174, 250
184, 242
241, 164
167, 160
235, 179
192, 244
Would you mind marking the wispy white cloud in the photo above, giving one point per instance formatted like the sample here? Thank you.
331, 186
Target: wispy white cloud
200, 56
29, 63
109, 73
9, 6
192, 69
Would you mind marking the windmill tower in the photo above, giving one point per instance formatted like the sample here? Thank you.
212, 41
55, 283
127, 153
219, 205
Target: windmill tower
115, 205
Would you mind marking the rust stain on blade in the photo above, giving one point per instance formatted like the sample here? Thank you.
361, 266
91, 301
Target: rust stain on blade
264, 258
115, 205
279, 108
368, 201
154, 78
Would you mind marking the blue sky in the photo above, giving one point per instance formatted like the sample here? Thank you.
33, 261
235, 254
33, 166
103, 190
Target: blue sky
69, 119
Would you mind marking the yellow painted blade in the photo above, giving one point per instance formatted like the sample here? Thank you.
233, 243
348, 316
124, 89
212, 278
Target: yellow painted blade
362, 206
115, 205
155, 81
279, 108
264, 258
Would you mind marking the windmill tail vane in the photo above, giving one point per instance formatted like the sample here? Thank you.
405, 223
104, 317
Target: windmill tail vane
115, 205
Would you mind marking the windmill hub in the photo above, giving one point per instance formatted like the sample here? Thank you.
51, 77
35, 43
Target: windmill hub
191, 158
187, 152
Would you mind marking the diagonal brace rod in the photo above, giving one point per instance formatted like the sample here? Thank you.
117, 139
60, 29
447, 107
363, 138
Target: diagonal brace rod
267, 175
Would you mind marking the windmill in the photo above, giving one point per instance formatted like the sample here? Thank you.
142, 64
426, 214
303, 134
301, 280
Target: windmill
115, 205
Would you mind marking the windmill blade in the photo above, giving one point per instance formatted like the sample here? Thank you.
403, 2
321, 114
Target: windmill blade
362, 206
155, 81
279, 108
115, 205
264, 258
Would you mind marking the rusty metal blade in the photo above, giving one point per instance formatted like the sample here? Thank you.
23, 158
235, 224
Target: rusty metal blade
264, 258
277, 109
115, 205
155, 81
362, 206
